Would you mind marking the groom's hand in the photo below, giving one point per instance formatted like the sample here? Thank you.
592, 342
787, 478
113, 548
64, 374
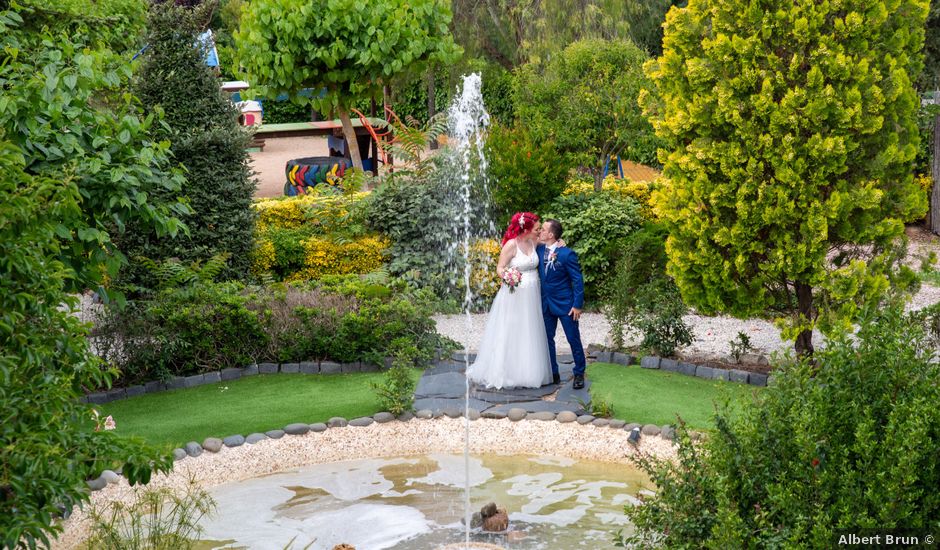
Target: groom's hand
575, 313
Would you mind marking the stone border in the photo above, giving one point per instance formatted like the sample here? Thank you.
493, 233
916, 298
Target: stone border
214, 444
233, 373
681, 367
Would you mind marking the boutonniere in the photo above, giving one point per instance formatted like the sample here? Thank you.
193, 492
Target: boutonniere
550, 259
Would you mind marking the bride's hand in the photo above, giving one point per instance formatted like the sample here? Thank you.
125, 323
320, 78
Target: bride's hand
561, 242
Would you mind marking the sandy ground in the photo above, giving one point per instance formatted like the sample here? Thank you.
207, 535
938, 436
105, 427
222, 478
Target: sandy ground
394, 439
269, 164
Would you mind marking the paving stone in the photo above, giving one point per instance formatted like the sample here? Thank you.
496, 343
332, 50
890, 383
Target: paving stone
309, 367
565, 358
274, 434
445, 367
179, 454
462, 356
318, 427
617, 424
687, 369
254, 438
670, 365
175, 383
296, 428
651, 429
539, 406
739, 376
449, 385
194, 380
515, 414
650, 362
134, 391
384, 417
424, 414
349, 367
498, 397
250, 370
369, 367
290, 368
544, 415
117, 393
453, 412
236, 440
329, 367
721, 374
230, 374
600, 422
405, 416
570, 395
584, 419
603, 356
97, 484
757, 379
494, 413
154, 386
212, 444
702, 371
620, 358
473, 414
212, 377
361, 422
193, 448
437, 405
337, 422
267, 368
566, 416
110, 477
97, 398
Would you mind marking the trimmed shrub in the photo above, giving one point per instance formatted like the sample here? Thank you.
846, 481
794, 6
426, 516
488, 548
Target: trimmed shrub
640, 191
327, 257
851, 444
325, 213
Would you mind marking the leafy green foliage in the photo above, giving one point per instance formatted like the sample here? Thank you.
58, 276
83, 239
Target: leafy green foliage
852, 445
115, 25
740, 345
585, 99
594, 225
156, 519
48, 446
526, 174
925, 122
207, 140
396, 392
277, 112
930, 78
787, 172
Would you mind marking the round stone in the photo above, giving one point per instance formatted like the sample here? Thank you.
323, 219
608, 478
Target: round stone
193, 448
494, 414
110, 477
566, 416
406, 416
617, 424
629, 427
651, 429
318, 427
516, 414
97, 484
236, 440
453, 413
383, 417
585, 419
541, 415
297, 428
274, 434
337, 422
473, 414
179, 454
254, 438
600, 422
212, 444
668, 432
361, 422
424, 414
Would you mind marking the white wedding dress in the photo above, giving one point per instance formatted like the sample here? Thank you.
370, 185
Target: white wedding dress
514, 348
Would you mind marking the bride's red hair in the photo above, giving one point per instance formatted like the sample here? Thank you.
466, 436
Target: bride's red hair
519, 224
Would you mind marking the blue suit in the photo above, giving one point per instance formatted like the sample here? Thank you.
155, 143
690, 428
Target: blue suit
562, 289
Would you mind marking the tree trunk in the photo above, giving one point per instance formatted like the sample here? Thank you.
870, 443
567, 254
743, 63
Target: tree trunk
804, 299
352, 144
935, 174
432, 109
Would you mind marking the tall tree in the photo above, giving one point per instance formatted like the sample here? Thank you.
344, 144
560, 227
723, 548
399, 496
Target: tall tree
585, 100
790, 131
349, 47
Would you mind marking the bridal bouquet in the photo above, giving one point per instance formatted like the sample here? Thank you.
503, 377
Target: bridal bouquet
512, 277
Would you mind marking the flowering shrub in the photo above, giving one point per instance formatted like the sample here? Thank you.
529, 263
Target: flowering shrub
327, 257
484, 255
327, 212
640, 191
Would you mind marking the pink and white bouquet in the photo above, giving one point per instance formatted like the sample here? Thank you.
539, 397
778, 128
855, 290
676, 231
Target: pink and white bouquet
512, 277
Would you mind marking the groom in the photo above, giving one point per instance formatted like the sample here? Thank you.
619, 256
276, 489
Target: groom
562, 296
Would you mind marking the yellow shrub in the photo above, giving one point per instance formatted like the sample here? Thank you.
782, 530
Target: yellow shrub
262, 259
639, 191
326, 257
292, 212
484, 255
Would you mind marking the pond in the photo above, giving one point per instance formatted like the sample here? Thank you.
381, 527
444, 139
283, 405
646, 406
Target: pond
416, 503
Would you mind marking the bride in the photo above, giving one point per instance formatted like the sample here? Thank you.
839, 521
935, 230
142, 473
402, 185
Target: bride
514, 349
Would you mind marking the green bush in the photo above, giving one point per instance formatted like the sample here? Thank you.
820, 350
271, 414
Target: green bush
594, 225
525, 174
278, 112
846, 445
396, 393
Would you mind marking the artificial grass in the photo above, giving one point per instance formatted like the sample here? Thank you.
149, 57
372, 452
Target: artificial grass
649, 396
251, 404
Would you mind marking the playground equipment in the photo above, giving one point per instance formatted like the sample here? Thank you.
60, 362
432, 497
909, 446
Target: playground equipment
304, 173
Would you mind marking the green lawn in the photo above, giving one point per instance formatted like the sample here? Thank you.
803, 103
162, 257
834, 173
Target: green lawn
251, 404
652, 396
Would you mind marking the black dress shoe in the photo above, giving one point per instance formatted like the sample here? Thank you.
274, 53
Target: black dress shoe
578, 382
556, 379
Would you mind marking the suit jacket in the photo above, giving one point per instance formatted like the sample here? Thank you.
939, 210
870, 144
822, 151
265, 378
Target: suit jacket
562, 283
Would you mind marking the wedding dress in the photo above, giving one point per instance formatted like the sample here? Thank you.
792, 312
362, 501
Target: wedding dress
514, 348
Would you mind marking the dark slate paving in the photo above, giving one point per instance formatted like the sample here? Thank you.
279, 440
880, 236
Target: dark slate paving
571, 395
438, 404
539, 406
442, 368
449, 385
498, 397
522, 392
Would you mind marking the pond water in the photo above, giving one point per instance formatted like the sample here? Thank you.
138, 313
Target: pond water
417, 503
